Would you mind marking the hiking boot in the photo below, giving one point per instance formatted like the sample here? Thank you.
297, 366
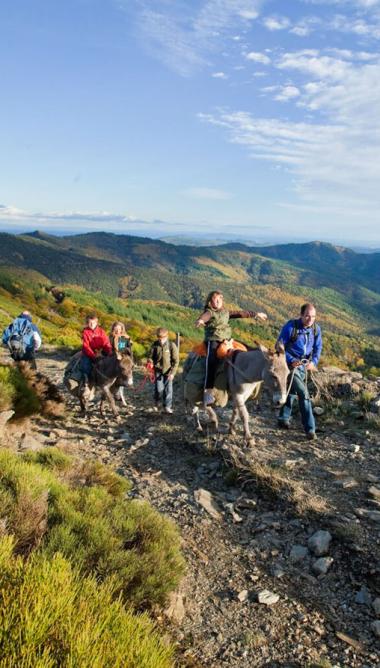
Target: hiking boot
168, 410
283, 424
311, 436
208, 398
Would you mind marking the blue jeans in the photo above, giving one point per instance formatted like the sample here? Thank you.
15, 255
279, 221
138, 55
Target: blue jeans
86, 366
163, 390
299, 389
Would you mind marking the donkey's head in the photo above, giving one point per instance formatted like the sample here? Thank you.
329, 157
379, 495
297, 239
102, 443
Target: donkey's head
125, 366
275, 374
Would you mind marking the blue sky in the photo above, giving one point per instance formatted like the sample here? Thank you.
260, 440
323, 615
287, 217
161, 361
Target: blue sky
254, 118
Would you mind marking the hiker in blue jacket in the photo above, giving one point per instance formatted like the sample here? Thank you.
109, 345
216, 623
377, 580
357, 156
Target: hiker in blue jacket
23, 339
302, 339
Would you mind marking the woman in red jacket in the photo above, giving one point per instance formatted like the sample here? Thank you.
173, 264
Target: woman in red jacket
95, 343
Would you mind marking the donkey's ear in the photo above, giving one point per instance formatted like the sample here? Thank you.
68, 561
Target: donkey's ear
279, 348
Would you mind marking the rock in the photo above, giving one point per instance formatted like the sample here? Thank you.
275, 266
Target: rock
376, 606
205, 499
246, 504
375, 405
346, 483
374, 492
176, 609
4, 417
235, 516
373, 515
267, 597
375, 626
319, 543
298, 553
363, 596
322, 565
243, 595
28, 442
354, 447
318, 410
278, 571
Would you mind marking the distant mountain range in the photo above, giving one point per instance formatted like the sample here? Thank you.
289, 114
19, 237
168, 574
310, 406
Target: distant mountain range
101, 259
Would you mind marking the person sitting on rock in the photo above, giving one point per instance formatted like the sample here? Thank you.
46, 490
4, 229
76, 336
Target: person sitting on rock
120, 341
215, 320
302, 339
95, 343
164, 359
23, 339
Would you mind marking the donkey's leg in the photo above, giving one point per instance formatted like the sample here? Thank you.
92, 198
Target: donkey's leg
234, 417
195, 414
108, 393
121, 395
245, 419
213, 417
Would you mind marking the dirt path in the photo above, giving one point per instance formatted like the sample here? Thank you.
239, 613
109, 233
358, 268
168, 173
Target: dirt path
249, 542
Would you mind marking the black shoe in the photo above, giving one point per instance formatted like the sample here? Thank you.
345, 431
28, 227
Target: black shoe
311, 436
283, 424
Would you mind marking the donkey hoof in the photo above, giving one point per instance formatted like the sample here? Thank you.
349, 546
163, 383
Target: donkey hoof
200, 429
250, 442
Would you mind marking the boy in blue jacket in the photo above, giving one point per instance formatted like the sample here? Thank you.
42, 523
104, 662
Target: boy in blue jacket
302, 339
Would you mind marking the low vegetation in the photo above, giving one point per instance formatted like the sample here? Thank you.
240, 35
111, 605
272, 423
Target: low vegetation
53, 617
26, 392
274, 482
79, 563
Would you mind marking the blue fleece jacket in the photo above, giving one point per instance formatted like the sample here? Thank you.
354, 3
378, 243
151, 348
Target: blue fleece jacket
305, 346
19, 325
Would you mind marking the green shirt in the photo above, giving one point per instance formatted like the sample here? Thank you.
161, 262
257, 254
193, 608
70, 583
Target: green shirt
217, 328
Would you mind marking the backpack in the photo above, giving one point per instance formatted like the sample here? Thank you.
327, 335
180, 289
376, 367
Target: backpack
20, 339
295, 331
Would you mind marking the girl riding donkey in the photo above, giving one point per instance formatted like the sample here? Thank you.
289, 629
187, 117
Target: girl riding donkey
215, 320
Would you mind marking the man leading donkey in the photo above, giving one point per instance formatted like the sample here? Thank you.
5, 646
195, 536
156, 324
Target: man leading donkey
302, 339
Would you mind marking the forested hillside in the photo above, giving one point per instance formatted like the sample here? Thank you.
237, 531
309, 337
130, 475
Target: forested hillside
148, 282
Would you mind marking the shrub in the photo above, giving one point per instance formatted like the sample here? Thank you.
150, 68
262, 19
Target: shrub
52, 617
81, 511
16, 393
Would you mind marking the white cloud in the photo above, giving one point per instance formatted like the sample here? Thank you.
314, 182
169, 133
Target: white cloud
334, 163
258, 57
219, 75
287, 93
206, 193
183, 36
312, 63
276, 22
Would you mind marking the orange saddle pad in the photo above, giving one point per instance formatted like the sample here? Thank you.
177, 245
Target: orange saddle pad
223, 350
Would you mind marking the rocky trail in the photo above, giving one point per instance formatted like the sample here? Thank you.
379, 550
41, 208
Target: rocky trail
282, 541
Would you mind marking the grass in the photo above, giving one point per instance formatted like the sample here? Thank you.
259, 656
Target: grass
27, 392
80, 565
274, 482
16, 393
53, 617
52, 501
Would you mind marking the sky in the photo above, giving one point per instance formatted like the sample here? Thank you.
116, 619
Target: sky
251, 119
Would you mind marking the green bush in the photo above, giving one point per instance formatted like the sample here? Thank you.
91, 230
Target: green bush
16, 393
81, 511
52, 617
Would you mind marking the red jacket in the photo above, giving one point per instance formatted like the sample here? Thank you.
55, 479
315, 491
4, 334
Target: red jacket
95, 340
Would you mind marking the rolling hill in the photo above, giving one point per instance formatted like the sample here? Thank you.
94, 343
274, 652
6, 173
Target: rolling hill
124, 275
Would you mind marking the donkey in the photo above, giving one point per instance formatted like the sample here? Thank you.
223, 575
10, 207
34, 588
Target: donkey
246, 372
109, 374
